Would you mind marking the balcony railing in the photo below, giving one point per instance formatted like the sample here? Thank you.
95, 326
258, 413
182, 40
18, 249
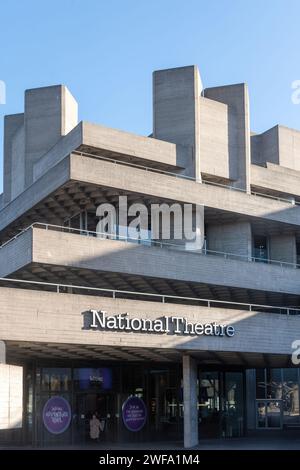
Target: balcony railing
115, 293
154, 243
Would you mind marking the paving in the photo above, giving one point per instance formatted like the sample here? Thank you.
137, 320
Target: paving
288, 442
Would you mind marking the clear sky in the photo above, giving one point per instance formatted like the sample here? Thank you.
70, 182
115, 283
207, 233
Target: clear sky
105, 52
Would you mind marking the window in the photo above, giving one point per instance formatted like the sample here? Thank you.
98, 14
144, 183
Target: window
298, 252
260, 249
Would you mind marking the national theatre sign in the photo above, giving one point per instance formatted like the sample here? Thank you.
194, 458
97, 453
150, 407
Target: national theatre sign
171, 325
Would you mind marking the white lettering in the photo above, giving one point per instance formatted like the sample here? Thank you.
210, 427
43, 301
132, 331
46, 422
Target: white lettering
174, 325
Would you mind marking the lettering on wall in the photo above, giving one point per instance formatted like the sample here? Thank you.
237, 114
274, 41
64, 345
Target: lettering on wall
166, 324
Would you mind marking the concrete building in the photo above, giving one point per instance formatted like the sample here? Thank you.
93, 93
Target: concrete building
157, 340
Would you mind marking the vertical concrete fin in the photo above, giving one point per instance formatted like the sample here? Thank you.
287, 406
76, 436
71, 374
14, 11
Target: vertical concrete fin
176, 95
237, 99
14, 156
50, 113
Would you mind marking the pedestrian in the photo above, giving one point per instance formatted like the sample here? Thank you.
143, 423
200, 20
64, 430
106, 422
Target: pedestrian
94, 428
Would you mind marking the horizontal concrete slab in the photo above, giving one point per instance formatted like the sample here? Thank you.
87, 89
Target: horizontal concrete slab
276, 178
114, 143
55, 248
164, 187
43, 187
177, 189
47, 317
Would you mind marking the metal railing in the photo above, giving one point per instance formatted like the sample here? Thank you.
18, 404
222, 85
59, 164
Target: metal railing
180, 175
291, 200
61, 288
154, 243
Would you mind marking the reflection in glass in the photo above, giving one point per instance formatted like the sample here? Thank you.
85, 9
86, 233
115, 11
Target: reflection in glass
56, 379
290, 396
233, 414
273, 414
261, 414
209, 403
280, 388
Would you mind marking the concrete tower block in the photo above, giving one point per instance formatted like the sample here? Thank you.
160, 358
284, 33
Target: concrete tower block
50, 113
237, 99
176, 94
14, 156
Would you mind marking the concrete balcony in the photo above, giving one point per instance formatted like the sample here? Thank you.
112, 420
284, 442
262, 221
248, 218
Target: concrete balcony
80, 180
276, 180
90, 258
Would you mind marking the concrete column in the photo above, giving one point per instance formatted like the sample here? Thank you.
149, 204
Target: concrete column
2, 352
250, 399
283, 248
232, 238
190, 401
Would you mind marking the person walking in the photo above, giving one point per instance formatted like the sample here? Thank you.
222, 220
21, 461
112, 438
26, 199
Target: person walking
94, 428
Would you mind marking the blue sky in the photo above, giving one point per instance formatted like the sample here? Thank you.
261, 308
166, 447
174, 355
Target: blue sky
105, 52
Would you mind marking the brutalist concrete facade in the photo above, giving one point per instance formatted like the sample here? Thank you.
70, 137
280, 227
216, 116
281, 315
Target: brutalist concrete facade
56, 270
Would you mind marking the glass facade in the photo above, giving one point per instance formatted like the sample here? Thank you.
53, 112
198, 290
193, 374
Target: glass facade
277, 398
221, 404
102, 390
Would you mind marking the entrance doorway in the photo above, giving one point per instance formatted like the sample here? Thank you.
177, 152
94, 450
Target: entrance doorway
221, 404
165, 405
102, 405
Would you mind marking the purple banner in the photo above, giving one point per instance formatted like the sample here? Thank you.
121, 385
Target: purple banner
134, 414
57, 415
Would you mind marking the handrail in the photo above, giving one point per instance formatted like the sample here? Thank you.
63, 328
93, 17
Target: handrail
163, 297
179, 247
277, 198
180, 175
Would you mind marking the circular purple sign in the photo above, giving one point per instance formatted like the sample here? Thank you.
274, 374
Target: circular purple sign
134, 413
56, 415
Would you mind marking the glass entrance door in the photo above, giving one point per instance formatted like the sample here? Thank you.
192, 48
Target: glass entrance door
164, 406
210, 404
221, 404
100, 405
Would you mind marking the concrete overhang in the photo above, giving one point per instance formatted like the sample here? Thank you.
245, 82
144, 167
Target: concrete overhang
92, 174
116, 144
56, 249
58, 319
177, 189
276, 180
